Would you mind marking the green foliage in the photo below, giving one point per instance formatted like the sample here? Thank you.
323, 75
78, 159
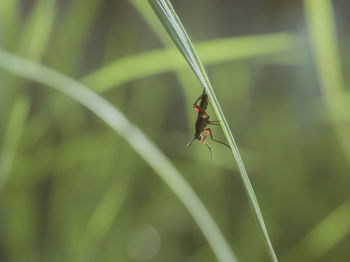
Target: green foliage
137, 140
72, 189
166, 60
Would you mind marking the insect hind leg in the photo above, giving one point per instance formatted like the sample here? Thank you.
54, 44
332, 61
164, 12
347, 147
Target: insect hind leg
218, 141
210, 149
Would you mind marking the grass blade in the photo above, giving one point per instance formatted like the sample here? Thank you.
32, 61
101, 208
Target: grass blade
323, 237
9, 22
12, 137
37, 30
173, 25
166, 60
101, 220
139, 142
320, 20
75, 24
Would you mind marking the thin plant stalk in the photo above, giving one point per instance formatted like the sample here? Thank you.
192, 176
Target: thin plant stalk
314, 245
321, 24
212, 52
33, 43
176, 31
12, 137
133, 135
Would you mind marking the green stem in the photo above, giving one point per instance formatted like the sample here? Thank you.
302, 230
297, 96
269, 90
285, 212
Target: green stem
173, 25
323, 237
320, 20
138, 141
12, 137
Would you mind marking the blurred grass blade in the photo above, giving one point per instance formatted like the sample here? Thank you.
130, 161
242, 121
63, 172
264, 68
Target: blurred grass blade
323, 237
101, 220
139, 142
172, 23
146, 12
72, 32
9, 22
320, 20
167, 60
37, 30
12, 137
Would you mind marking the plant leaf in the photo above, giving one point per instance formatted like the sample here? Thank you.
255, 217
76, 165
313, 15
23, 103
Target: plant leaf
139, 142
173, 25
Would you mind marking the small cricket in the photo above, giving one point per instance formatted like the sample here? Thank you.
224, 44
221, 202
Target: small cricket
202, 122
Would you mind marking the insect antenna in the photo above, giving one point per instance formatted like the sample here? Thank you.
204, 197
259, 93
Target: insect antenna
190, 143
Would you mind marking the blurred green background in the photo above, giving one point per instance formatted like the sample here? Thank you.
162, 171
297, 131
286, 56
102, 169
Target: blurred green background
71, 189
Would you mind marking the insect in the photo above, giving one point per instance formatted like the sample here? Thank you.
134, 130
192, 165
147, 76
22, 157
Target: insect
202, 122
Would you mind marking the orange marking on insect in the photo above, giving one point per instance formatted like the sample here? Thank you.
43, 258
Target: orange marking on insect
201, 132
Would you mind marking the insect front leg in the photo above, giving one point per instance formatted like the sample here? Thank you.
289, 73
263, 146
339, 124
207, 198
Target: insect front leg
201, 108
199, 98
